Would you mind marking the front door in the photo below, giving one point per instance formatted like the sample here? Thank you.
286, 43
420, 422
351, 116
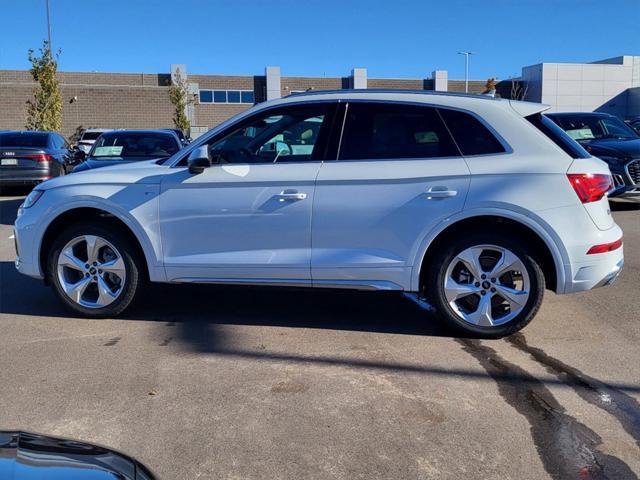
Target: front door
247, 218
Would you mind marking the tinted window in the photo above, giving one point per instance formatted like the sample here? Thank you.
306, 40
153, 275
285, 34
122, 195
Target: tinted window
206, 96
233, 96
289, 134
471, 136
588, 127
558, 136
123, 145
95, 135
25, 139
220, 96
378, 130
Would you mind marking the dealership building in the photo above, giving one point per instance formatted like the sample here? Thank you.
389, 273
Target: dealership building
141, 100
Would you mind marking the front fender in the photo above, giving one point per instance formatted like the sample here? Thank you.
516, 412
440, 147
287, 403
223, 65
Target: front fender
135, 205
511, 212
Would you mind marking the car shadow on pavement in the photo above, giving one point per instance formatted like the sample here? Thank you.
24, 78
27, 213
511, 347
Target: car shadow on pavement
195, 307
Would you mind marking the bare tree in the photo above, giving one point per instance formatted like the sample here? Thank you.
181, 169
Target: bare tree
518, 90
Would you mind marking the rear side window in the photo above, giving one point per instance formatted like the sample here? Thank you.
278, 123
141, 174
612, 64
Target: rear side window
558, 136
391, 131
471, 136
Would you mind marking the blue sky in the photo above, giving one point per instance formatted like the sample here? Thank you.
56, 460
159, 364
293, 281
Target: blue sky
399, 38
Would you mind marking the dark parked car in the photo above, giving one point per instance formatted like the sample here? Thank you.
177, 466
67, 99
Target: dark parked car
124, 146
31, 157
28, 456
183, 139
610, 139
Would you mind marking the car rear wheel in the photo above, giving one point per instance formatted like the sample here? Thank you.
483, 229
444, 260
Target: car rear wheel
94, 270
486, 285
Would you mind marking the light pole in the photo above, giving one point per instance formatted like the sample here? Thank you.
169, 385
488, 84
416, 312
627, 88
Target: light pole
466, 69
49, 26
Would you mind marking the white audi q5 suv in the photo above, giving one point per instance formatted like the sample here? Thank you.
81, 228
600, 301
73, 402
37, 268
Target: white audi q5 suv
473, 204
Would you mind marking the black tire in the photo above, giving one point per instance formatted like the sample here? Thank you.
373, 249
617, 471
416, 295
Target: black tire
120, 240
433, 287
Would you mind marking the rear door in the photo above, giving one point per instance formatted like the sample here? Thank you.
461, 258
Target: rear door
398, 174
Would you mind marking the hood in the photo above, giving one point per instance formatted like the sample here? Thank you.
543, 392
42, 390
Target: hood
97, 162
27, 456
611, 147
147, 172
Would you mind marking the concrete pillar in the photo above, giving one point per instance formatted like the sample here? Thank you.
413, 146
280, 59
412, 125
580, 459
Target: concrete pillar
359, 78
273, 82
440, 80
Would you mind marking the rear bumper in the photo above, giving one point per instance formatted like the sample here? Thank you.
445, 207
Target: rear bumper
599, 270
24, 176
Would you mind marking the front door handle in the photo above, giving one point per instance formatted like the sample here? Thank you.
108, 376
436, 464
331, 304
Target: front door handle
291, 196
440, 192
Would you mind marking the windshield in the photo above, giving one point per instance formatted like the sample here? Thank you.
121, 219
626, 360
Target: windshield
26, 139
139, 145
91, 135
584, 128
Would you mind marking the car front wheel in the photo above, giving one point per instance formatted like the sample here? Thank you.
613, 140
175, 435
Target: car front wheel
486, 285
94, 270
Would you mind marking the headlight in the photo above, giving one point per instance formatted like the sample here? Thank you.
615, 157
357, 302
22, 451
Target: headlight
32, 198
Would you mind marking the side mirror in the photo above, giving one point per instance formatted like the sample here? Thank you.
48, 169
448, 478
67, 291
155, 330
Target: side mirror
79, 156
199, 160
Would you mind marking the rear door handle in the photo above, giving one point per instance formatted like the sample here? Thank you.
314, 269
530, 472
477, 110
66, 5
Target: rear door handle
291, 196
440, 192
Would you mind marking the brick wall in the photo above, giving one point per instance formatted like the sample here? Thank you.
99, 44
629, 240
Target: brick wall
141, 100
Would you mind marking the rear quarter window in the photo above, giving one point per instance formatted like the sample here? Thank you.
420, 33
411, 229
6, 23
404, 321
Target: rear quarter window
471, 136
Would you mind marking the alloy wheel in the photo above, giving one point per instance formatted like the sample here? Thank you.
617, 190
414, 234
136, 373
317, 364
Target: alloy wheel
487, 285
91, 271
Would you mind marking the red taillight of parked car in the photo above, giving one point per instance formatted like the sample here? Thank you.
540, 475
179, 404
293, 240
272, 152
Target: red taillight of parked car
590, 187
40, 157
605, 247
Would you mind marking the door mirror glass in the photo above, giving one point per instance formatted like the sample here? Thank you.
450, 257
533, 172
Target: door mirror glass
78, 156
199, 160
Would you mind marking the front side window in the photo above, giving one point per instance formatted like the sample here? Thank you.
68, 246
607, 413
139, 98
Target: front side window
394, 131
288, 134
471, 136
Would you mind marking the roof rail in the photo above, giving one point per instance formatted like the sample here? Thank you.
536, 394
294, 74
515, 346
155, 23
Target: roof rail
391, 90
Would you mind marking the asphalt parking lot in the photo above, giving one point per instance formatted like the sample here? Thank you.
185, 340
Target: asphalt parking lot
247, 383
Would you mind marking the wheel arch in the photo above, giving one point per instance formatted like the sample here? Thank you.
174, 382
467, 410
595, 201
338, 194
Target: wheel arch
80, 213
546, 249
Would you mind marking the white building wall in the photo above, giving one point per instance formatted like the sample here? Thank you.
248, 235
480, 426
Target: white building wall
584, 87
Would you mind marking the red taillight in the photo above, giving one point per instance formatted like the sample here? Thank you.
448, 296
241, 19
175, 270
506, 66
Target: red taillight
590, 187
605, 247
40, 157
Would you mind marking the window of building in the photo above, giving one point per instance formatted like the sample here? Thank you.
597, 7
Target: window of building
471, 136
206, 96
390, 131
227, 96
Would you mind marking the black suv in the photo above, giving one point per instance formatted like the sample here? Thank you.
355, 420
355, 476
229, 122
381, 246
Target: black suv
610, 139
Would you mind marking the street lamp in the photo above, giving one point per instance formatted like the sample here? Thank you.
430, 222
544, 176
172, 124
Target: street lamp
49, 25
466, 69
